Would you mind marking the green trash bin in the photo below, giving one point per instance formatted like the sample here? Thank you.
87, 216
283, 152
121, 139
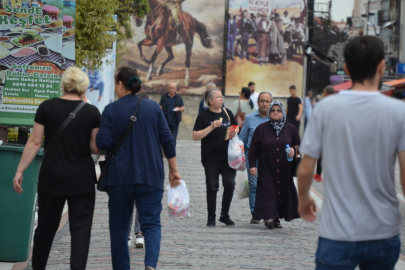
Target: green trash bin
17, 211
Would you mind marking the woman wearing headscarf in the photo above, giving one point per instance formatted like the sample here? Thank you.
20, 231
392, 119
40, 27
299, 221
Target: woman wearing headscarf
276, 195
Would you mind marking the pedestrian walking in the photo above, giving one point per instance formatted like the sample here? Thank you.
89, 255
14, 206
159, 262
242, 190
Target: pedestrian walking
136, 172
251, 122
67, 170
139, 241
307, 107
329, 90
172, 106
361, 221
242, 106
253, 94
211, 127
276, 196
294, 108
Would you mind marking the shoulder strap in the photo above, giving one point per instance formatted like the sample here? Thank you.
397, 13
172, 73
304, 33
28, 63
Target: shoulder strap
128, 129
71, 116
227, 115
239, 108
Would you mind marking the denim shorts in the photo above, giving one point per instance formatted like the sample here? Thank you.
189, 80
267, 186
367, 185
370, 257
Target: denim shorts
369, 255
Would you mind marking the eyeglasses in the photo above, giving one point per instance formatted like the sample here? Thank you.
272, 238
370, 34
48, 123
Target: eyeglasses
220, 97
276, 110
264, 101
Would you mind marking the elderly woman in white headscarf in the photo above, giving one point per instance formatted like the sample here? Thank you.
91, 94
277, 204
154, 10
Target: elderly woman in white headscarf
276, 195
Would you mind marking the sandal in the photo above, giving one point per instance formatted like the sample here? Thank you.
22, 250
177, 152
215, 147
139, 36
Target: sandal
269, 223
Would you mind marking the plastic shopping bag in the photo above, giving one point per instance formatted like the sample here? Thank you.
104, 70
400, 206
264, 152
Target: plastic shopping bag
242, 185
236, 154
178, 201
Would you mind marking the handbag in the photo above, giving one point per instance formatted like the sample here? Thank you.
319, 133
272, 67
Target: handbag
104, 164
240, 117
71, 116
297, 160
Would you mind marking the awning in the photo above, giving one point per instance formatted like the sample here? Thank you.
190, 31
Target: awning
343, 86
390, 87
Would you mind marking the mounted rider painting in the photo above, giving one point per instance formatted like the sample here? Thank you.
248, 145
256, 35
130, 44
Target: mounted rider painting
168, 26
176, 19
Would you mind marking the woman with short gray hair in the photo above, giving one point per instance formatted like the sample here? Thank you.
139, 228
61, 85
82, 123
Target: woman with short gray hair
211, 127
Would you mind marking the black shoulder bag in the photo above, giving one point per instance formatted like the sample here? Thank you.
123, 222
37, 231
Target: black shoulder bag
71, 116
104, 164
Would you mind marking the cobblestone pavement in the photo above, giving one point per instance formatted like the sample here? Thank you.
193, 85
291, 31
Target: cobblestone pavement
188, 244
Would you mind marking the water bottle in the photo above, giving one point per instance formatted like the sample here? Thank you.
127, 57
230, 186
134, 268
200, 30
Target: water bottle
25, 4
288, 149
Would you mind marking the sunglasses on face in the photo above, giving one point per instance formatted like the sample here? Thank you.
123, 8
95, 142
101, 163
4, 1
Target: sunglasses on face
274, 110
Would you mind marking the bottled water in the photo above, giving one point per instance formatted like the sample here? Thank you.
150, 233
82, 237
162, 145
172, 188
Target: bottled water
288, 149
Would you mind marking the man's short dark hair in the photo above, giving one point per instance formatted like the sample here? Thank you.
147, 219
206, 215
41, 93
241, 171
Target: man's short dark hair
309, 93
362, 56
293, 87
251, 83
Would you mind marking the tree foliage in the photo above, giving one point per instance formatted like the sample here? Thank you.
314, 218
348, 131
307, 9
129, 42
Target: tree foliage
94, 22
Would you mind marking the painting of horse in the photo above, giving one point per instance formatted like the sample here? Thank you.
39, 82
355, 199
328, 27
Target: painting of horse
199, 40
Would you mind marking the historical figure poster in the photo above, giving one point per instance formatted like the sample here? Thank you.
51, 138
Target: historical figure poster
180, 41
265, 44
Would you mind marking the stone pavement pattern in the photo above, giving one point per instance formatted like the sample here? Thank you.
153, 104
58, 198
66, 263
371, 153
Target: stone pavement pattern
188, 244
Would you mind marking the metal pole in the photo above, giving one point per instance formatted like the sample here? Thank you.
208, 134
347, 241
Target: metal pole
368, 14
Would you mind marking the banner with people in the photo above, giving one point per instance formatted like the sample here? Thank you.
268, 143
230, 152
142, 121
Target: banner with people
32, 59
180, 41
265, 44
101, 89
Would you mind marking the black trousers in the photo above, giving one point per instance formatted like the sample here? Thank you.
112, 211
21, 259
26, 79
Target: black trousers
319, 166
174, 129
50, 208
295, 123
212, 172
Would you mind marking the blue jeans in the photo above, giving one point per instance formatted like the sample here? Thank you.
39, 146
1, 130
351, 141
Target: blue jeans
369, 255
100, 87
252, 185
121, 206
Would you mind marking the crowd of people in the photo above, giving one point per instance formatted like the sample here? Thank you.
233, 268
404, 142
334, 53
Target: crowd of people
357, 157
274, 34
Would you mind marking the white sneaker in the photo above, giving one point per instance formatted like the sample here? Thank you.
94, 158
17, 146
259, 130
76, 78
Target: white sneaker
139, 241
129, 241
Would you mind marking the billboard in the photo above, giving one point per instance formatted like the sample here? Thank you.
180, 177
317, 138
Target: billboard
32, 56
179, 41
265, 45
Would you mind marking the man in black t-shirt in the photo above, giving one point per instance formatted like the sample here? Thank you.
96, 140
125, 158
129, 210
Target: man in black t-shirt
294, 108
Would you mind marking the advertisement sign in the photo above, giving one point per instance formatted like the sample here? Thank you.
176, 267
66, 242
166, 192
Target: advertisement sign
32, 60
265, 45
180, 41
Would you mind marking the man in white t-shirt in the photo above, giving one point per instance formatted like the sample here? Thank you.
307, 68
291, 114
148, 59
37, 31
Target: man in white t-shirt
253, 94
359, 133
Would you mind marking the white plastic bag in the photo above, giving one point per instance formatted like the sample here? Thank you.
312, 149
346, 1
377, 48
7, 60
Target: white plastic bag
242, 185
178, 201
236, 154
